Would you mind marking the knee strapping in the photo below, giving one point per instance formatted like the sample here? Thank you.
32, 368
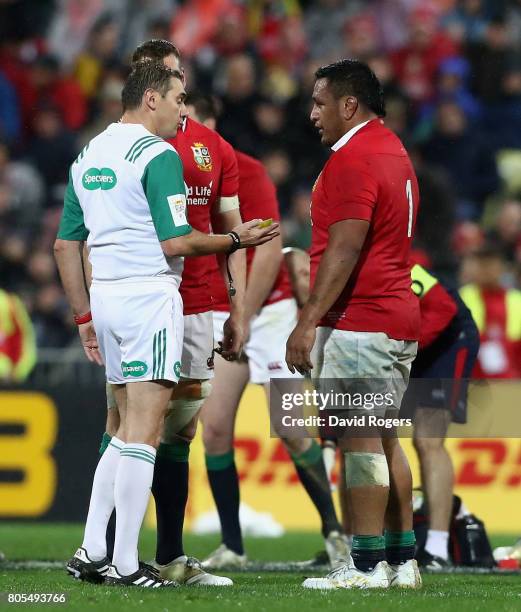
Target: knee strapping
366, 469
186, 404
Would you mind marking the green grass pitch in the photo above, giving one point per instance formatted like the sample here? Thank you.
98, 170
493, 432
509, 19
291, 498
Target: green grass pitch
256, 591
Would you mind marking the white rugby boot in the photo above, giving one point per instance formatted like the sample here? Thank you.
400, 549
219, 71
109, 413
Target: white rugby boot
224, 557
188, 571
348, 576
337, 548
406, 575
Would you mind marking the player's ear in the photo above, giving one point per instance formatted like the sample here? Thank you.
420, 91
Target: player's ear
350, 104
150, 98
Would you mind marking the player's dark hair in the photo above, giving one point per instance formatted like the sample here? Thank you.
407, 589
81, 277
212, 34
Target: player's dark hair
349, 77
149, 75
154, 50
205, 106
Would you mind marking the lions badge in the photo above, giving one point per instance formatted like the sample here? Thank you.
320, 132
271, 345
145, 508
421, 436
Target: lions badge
202, 157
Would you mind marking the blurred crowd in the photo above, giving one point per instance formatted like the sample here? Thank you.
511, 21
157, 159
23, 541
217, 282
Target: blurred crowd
451, 72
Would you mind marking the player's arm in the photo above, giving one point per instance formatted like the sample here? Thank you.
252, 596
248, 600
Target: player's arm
351, 193
235, 263
297, 263
164, 188
68, 254
346, 239
267, 259
225, 215
263, 273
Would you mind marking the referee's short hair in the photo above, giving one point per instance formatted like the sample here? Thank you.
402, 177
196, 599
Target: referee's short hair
350, 77
154, 50
148, 75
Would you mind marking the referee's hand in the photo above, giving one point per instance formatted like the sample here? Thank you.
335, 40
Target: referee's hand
90, 342
298, 349
251, 235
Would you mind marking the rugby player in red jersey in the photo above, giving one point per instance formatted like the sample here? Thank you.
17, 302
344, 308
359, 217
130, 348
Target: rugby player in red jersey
269, 312
362, 318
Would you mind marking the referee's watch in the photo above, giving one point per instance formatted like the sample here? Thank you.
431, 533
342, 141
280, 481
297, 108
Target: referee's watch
236, 242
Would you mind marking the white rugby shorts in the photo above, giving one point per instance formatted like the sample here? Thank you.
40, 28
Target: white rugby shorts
197, 355
349, 356
139, 326
266, 346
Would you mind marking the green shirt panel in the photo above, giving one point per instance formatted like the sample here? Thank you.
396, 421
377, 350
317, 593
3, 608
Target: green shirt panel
72, 224
162, 179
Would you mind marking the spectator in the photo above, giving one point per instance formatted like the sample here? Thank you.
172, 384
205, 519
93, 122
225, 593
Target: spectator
502, 118
47, 86
10, 126
50, 135
195, 24
109, 110
240, 96
100, 51
489, 60
324, 23
278, 165
361, 36
17, 342
297, 228
497, 313
71, 25
506, 232
465, 156
417, 63
22, 193
467, 21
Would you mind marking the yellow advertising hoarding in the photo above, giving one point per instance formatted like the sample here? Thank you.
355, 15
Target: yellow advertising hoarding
487, 470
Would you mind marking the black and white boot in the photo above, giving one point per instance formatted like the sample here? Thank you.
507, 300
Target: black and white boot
83, 568
146, 577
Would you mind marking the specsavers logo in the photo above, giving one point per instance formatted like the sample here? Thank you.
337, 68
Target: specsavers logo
134, 368
96, 178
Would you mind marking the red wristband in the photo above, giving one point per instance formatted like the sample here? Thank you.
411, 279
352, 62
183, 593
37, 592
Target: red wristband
84, 318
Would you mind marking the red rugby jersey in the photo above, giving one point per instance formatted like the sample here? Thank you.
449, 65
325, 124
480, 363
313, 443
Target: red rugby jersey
369, 176
257, 200
210, 172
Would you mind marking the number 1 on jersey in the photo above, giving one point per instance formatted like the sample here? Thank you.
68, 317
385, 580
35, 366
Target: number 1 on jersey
408, 192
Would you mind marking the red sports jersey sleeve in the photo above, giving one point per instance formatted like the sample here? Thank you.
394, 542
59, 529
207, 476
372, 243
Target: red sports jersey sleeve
351, 190
257, 200
230, 170
437, 309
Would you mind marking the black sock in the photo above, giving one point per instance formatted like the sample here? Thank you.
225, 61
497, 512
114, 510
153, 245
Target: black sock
399, 546
111, 534
367, 552
170, 490
224, 482
312, 473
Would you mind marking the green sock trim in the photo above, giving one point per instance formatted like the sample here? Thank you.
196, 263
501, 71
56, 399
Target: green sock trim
309, 457
364, 542
219, 462
177, 451
399, 538
105, 441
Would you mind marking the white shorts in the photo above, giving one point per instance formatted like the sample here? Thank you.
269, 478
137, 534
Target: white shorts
139, 325
197, 356
348, 356
266, 346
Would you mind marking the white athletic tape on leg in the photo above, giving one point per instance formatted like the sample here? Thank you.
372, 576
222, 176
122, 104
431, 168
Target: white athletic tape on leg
366, 469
